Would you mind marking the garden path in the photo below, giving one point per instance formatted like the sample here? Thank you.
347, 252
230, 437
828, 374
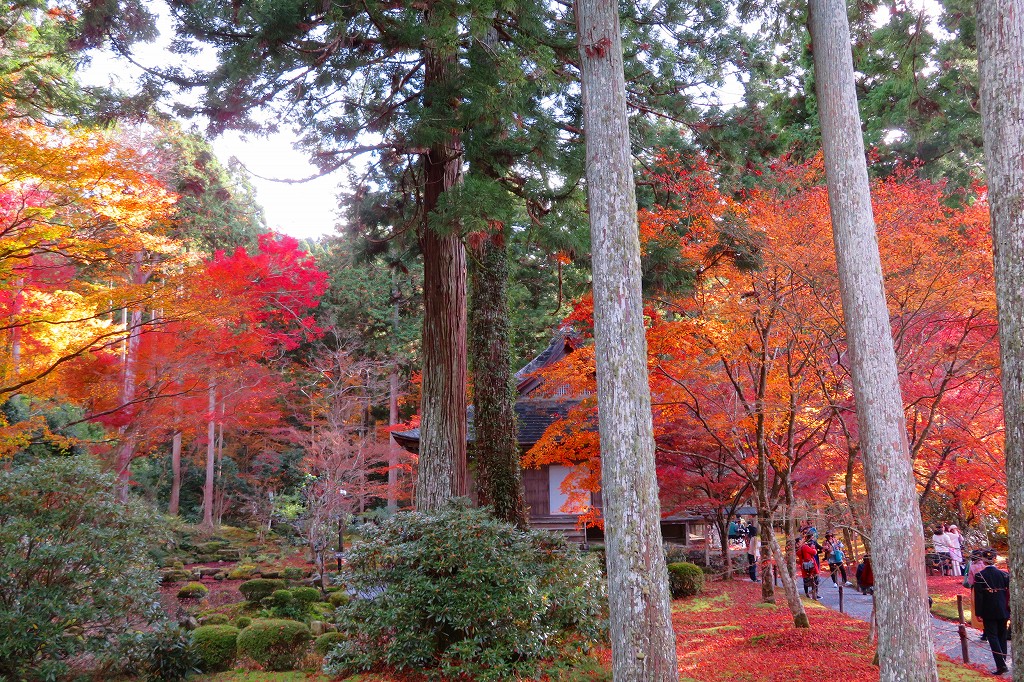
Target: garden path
944, 633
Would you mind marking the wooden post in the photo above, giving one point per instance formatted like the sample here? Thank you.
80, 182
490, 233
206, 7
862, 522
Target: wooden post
841, 598
962, 629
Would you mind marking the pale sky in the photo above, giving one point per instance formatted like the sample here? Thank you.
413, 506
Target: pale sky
301, 210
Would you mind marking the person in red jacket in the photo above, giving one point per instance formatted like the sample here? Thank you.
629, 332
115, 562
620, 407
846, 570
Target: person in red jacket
807, 557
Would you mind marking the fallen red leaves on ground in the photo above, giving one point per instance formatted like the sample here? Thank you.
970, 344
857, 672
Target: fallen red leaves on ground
727, 635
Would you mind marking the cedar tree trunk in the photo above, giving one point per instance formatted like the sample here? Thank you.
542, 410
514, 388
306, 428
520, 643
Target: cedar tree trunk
643, 643
442, 460
904, 624
1001, 72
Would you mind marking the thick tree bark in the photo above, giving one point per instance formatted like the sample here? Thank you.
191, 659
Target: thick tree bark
1001, 72
496, 445
211, 450
643, 643
442, 462
172, 507
904, 624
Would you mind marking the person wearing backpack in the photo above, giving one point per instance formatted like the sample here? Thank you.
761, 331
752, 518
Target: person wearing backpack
992, 601
807, 556
836, 560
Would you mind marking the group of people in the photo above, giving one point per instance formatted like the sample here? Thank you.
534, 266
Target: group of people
948, 544
809, 555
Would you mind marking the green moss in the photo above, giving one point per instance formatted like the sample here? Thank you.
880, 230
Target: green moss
952, 672
339, 598
193, 590
305, 595
709, 604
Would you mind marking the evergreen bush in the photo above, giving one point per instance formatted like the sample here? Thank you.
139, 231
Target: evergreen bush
456, 593
255, 590
276, 644
170, 655
305, 595
685, 579
75, 571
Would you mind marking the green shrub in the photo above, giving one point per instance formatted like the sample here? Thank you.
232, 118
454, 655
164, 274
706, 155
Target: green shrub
214, 619
170, 655
275, 644
292, 573
215, 645
306, 595
71, 556
456, 593
193, 590
281, 597
685, 579
255, 590
325, 642
243, 622
339, 598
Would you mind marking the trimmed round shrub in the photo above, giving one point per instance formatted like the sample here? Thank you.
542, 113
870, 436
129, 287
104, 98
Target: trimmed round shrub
281, 597
305, 595
275, 644
243, 622
216, 646
292, 573
193, 590
339, 598
455, 592
327, 641
685, 579
255, 590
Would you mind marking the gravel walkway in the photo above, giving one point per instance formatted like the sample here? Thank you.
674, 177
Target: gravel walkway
944, 633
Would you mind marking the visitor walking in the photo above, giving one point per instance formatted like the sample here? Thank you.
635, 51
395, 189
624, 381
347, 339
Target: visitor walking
976, 566
807, 556
955, 542
865, 576
753, 549
992, 603
836, 559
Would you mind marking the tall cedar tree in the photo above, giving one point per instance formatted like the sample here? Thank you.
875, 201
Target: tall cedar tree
1001, 61
396, 81
643, 643
904, 643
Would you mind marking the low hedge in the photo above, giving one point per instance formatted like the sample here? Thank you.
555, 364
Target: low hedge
255, 590
216, 645
685, 579
275, 644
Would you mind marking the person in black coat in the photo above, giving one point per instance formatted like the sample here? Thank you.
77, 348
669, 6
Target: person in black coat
992, 603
